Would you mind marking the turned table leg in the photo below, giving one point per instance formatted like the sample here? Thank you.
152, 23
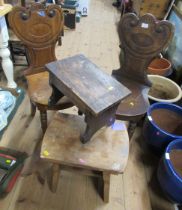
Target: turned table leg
55, 177
7, 64
106, 179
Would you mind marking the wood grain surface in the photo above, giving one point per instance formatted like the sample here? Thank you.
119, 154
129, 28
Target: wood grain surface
86, 84
61, 144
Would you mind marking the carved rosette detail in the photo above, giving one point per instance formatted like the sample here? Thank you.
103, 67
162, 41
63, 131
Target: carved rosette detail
141, 40
29, 17
145, 36
38, 27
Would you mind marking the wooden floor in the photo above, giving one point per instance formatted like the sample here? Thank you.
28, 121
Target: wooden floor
96, 37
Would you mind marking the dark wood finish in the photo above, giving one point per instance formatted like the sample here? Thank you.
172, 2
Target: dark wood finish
141, 40
91, 88
39, 27
95, 93
105, 154
94, 123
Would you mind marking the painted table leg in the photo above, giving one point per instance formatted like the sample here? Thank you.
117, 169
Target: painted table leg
106, 179
7, 64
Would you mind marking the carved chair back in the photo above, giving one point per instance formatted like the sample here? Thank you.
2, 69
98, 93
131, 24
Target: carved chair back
38, 27
141, 40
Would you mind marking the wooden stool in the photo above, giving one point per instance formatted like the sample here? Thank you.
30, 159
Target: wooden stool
94, 92
105, 154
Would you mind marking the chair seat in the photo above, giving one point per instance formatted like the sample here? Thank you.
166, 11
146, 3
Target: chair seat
136, 104
106, 151
40, 91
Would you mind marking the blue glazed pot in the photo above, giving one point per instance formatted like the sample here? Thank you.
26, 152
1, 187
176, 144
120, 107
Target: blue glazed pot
169, 180
156, 137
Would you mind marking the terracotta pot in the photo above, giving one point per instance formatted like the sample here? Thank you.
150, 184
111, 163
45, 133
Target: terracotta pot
164, 90
160, 66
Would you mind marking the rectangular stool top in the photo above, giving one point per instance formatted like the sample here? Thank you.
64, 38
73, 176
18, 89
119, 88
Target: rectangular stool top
86, 84
106, 151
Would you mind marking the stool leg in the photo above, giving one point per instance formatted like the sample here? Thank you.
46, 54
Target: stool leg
43, 120
106, 179
55, 177
33, 108
131, 128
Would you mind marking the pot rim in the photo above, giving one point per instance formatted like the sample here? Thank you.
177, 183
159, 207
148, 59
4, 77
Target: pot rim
178, 97
168, 160
149, 111
160, 69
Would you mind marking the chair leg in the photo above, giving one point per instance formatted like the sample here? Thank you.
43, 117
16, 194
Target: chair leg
33, 109
55, 177
27, 57
59, 40
106, 179
131, 128
43, 119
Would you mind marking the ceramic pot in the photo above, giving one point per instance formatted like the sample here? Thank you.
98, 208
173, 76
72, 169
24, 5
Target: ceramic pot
164, 90
170, 171
163, 124
160, 66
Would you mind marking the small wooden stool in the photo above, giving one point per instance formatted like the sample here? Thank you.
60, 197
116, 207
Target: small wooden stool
94, 92
105, 154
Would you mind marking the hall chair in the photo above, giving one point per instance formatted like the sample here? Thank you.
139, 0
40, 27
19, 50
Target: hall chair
141, 40
38, 27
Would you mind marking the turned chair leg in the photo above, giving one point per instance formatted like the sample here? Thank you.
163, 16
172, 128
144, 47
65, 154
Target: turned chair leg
33, 109
55, 177
43, 119
106, 179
